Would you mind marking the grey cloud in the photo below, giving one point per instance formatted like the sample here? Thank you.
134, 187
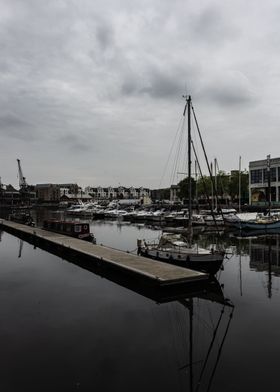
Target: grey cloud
233, 90
74, 143
159, 83
104, 36
72, 74
211, 26
162, 86
15, 127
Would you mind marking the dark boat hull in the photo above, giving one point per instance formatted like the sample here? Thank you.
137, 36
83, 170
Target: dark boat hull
210, 267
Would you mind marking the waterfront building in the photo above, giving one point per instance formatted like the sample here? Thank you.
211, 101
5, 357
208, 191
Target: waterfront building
258, 181
53, 193
174, 193
118, 193
48, 192
9, 196
69, 188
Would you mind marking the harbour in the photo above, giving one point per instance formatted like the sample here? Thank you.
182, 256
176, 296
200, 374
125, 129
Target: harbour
72, 315
202, 267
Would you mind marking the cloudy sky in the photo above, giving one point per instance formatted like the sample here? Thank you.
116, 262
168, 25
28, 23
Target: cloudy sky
91, 91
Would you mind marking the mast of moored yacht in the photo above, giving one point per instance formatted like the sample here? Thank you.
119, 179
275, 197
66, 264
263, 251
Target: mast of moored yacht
268, 183
188, 108
239, 186
189, 100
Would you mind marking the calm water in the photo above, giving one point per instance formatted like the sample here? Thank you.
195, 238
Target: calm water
64, 328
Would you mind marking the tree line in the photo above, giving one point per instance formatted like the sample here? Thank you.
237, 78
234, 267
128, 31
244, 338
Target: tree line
227, 186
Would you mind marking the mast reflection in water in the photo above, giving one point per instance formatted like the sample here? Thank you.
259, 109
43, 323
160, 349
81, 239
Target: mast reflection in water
64, 327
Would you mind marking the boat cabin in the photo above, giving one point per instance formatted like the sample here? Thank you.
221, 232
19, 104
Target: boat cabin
74, 229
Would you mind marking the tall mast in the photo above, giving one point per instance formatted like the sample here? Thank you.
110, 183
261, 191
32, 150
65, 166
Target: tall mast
189, 101
268, 183
239, 185
188, 108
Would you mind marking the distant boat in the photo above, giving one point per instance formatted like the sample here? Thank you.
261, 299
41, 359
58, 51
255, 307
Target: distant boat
261, 222
23, 217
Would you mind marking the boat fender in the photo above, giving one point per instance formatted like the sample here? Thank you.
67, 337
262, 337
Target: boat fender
188, 259
212, 251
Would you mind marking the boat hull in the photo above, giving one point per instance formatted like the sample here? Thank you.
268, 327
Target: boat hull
257, 225
210, 262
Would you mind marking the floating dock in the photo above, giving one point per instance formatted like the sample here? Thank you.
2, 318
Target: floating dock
151, 271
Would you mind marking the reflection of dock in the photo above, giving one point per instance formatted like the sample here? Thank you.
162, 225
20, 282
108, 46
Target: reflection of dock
150, 271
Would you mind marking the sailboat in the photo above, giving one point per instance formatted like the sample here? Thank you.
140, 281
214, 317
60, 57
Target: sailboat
176, 250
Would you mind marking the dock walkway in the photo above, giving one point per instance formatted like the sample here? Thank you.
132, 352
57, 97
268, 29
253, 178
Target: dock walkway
154, 271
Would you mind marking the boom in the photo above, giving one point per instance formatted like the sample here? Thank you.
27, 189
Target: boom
21, 178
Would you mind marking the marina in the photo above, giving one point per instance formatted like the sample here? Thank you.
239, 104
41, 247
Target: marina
68, 309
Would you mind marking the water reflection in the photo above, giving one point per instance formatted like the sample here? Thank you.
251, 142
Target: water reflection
103, 334
201, 367
20, 248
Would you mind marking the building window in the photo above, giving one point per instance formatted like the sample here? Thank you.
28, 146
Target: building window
256, 176
272, 174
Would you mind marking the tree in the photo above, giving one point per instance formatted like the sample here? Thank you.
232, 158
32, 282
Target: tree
184, 189
234, 185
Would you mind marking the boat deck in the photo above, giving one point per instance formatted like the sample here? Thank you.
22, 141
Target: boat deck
152, 271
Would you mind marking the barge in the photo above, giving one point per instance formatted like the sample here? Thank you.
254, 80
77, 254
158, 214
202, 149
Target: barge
74, 229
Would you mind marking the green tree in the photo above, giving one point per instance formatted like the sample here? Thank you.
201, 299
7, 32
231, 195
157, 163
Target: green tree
184, 189
234, 185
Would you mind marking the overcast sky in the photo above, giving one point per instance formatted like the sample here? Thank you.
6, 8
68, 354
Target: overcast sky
91, 91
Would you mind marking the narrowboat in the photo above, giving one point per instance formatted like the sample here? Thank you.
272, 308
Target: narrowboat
75, 229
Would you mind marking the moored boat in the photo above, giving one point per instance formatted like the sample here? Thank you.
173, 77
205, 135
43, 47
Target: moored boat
176, 250
80, 230
173, 249
23, 217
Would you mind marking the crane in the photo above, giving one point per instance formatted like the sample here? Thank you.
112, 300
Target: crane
22, 180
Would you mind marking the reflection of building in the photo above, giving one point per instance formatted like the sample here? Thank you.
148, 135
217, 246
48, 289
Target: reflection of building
265, 254
258, 181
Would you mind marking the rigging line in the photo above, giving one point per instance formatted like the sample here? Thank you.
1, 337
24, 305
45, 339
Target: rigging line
204, 187
220, 177
205, 155
209, 350
178, 151
220, 350
173, 340
183, 163
170, 152
178, 334
195, 139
